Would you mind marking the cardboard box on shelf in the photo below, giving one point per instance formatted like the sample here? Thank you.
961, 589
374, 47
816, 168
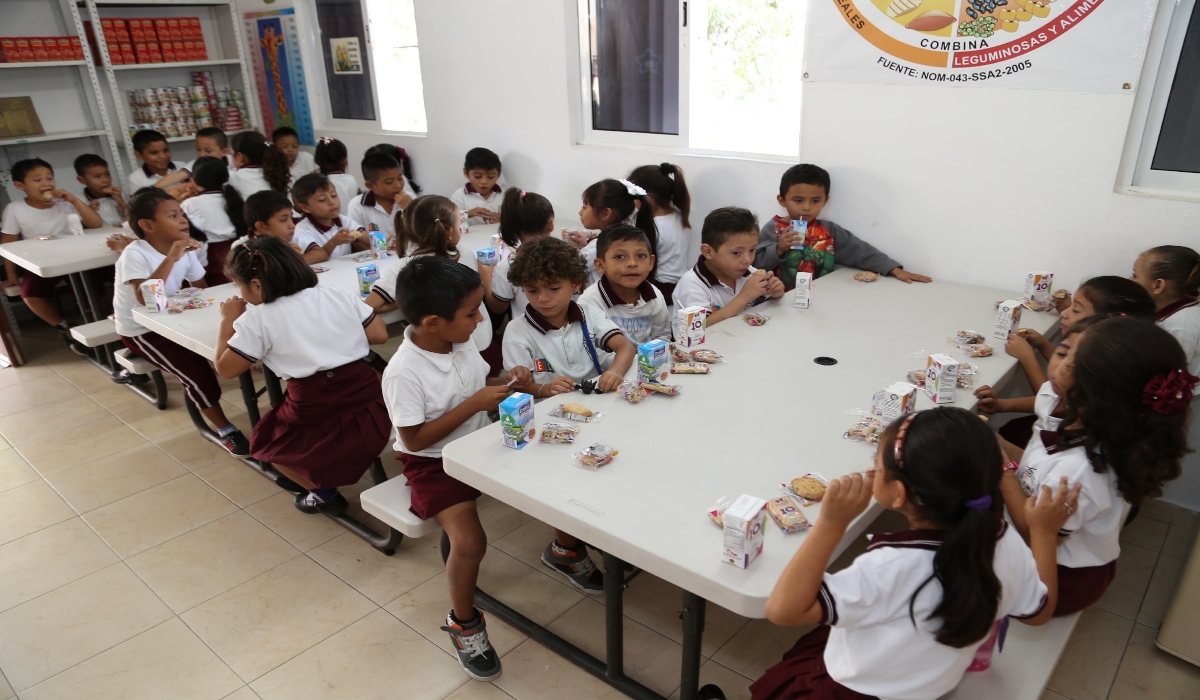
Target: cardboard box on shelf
18, 117
77, 47
24, 52
8, 50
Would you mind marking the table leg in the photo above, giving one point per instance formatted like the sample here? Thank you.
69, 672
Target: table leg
274, 386
86, 297
693, 631
614, 614
249, 397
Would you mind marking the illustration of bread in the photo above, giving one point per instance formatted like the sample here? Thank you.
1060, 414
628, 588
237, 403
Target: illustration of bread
930, 21
899, 8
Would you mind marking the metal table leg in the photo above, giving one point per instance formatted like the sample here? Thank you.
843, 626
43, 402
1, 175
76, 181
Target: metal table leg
274, 386
250, 397
693, 632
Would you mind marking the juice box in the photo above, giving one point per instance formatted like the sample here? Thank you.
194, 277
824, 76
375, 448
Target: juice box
378, 241
652, 359
464, 226
1038, 286
689, 328
154, 293
941, 378
803, 289
368, 274
516, 414
802, 226
744, 523
900, 399
1008, 319
487, 256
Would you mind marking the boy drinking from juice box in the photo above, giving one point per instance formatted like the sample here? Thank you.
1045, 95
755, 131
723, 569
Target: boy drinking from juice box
623, 293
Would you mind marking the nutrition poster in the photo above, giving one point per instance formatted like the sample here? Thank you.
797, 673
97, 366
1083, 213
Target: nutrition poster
1075, 45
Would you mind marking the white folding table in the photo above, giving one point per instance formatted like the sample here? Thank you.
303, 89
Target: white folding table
768, 414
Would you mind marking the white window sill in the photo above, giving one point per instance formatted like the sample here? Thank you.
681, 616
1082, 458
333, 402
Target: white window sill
690, 152
372, 131
1177, 195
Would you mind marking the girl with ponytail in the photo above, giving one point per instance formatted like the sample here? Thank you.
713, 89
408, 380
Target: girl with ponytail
333, 422
524, 216
904, 620
261, 165
218, 212
332, 159
1171, 273
671, 204
610, 202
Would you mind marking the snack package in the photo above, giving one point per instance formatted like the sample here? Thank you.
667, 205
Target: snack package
487, 256
787, 515
1039, 288
154, 293
717, 512
1059, 294
707, 356
755, 319
900, 399
689, 368
378, 241
577, 413
652, 361
464, 223
866, 276
941, 377
516, 413
1008, 319
668, 389
678, 354
865, 429
744, 523
319, 269
632, 392
809, 488
594, 456
916, 377
559, 433
803, 290
690, 326
367, 275
966, 338
976, 350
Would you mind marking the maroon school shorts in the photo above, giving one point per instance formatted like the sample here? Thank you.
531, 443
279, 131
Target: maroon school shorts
38, 287
433, 490
1081, 588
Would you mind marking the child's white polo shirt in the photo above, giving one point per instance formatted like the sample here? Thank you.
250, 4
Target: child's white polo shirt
504, 290
646, 319
367, 210
385, 287
110, 213
311, 235
670, 257
304, 165
548, 352
207, 212
137, 262
1182, 320
25, 221
249, 180
421, 386
346, 186
467, 199
1043, 407
144, 177
700, 287
875, 648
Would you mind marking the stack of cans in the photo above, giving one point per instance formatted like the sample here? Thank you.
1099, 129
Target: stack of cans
172, 111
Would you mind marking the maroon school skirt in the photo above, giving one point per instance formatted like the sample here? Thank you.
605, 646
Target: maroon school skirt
214, 271
1081, 588
802, 674
36, 287
330, 427
433, 490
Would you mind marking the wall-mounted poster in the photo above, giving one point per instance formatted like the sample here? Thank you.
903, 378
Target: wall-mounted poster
274, 46
347, 59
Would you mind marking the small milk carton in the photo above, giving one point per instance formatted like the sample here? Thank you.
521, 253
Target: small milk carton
154, 293
900, 399
652, 359
516, 415
1038, 286
487, 256
1008, 319
497, 241
378, 241
689, 328
800, 226
464, 225
941, 378
368, 274
803, 289
745, 522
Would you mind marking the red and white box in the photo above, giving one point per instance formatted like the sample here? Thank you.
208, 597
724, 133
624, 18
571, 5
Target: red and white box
76, 47
53, 53
8, 50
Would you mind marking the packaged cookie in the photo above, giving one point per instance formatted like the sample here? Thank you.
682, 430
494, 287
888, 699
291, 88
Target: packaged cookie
786, 513
559, 433
976, 350
707, 356
577, 413
717, 512
632, 392
916, 376
809, 488
866, 276
679, 354
689, 368
668, 389
755, 319
594, 456
865, 429
966, 338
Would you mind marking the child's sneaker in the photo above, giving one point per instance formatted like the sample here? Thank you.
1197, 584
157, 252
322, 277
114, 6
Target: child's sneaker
236, 443
475, 652
311, 503
576, 565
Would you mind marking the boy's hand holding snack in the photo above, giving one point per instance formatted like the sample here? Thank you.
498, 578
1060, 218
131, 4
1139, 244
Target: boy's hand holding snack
479, 212
232, 308
609, 381
988, 403
1019, 347
755, 287
775, 288
489, 397
342, 237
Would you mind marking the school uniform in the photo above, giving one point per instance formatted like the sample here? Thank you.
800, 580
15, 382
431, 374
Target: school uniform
22, 220
304, 165
1090, 540
870, 647
138, 261
671, 258
346, 186
589, 257
207, 212
110, 213
699, 286
1044, 405
332, 423
1182, 320
467, 199
227, 158
547, 351
309, 234
385, 287
144, 177
506, 291
419, 387
648, 318
248, 180
366, 209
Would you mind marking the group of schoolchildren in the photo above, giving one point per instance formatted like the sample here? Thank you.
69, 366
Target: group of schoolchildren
1024, 524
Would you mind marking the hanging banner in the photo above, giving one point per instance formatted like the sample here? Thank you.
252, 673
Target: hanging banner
1075, 45
274, 45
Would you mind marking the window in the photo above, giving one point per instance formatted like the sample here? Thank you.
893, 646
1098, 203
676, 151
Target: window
395, 54
706, 75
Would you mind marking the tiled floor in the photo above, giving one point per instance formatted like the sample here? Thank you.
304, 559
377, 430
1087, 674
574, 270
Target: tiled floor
139, 561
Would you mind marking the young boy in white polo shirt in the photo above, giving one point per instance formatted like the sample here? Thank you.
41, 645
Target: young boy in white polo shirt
482, 195
724, 279
154, 152
92, 172
384, 197
563, 344
436, 389
623, 293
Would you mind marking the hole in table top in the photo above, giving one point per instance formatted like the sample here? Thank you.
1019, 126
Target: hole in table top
825, 361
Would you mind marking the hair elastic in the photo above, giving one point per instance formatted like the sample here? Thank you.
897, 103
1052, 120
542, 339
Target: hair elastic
632, 189
898, 446
666, 169
982, 503
268, 144
325, 139
522, 193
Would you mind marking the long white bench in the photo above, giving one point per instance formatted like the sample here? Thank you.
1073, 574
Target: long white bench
95, 334
389, 502
1023, 669
103, 333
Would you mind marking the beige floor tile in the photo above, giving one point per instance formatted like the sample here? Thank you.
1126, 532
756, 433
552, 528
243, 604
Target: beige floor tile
41, 422
1089, 663
656, 604
1124, 596
527, 543
276, 616
474, 690
499, 519
304, 531
26, 373
209, 560
6, 691
758, 646
191, 449
14, 470
1149, 673
243, 693
165, 662
1183, 516
30, 508
734, 686
153, 423
1179, 540
1145, 532
26, 395
650, 658
1051, 695
238, 481
377, 576
4, 444
1160, 591
48, 559
103, 481
52, 633
139, 522
1157, 510
117, 398
353, 494
79, 445
377, 657
533, 672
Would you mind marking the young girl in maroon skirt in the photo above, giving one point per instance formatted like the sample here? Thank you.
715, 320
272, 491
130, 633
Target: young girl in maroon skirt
333, 423
218, 211
904, 620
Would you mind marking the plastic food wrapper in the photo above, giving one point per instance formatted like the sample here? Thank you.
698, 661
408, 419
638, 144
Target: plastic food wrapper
916, 376
966, 338
864, 276
689, 368
1059, 294
1039, 306
632, 392
559, 433
679, 354
320, 268
756, 319
668, 389
707, 356
809, 488
717, 512
594, 456
189, 292
567, 410
976, 350
865, 429
178, 306
47, 238
786, 513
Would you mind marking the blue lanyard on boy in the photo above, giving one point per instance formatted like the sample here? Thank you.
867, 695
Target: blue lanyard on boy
591, 349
